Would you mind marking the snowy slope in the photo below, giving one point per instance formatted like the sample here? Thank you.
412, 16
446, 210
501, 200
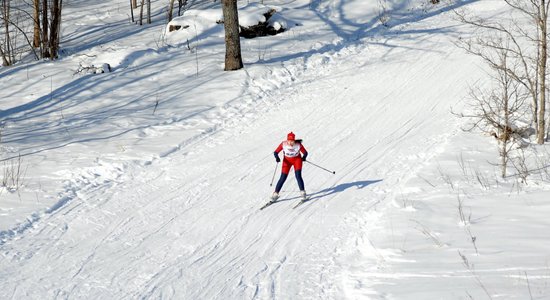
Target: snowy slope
162, 201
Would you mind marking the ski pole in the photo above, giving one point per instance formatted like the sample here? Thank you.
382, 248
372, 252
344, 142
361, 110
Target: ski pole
274, 172
333, 172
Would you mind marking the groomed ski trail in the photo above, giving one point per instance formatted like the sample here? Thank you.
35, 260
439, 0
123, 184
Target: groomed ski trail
189, 226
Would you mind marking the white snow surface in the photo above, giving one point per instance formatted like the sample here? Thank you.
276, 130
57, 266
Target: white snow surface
146, 182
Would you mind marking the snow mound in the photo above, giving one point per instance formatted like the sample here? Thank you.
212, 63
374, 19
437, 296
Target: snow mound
198, 24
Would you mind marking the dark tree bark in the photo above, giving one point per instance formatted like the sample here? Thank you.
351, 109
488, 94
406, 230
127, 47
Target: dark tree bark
181, 4
132, 2
148, 11
543, 65
43, 46
55, 26
233, 59
141, 12
36, 16
6, 53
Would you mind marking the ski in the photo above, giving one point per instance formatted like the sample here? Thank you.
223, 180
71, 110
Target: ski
267, 204
301, 202
270, 202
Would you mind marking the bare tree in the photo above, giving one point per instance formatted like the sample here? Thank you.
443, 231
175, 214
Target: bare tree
528, 46
141, 12
133, 4
13, 21
541, 17
6, 48
181, 5
170, 10
537, 10
44, 42
55, 27
148, 11
36, 21
51, 25
27, 26
143, 3
500, 110
233, 59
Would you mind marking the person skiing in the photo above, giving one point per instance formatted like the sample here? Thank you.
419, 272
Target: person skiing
291, 158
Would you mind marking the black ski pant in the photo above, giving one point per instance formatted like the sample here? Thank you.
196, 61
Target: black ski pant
282, 179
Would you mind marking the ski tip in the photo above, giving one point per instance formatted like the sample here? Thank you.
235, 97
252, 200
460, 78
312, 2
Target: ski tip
301, 202
267, 204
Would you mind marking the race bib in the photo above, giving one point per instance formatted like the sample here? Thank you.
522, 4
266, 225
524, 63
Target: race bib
291, 151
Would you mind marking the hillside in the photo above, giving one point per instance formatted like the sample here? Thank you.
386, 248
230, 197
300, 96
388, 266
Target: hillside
146, 182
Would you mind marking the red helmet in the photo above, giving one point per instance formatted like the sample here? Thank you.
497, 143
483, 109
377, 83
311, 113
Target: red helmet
290, 136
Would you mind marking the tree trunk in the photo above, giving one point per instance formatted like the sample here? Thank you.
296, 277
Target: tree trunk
543, 23
181, 4
506, 101
7, 55
504, 158
170, 10
141, 12
148, 11
133, 3
55, 26
44, 44
5, 61
36, 17
233, 60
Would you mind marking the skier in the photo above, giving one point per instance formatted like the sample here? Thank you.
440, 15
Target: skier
291, 158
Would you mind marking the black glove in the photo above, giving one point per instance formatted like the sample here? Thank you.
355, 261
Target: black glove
277, 159
304, 157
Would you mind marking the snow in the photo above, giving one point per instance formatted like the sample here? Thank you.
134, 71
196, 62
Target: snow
146, 182
196, 24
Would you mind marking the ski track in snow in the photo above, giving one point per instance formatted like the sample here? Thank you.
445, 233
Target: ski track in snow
198, 232
252, 254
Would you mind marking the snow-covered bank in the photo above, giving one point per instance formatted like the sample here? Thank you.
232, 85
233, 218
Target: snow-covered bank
154, 173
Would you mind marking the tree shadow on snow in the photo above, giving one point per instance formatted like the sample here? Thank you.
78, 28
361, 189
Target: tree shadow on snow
350, 30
